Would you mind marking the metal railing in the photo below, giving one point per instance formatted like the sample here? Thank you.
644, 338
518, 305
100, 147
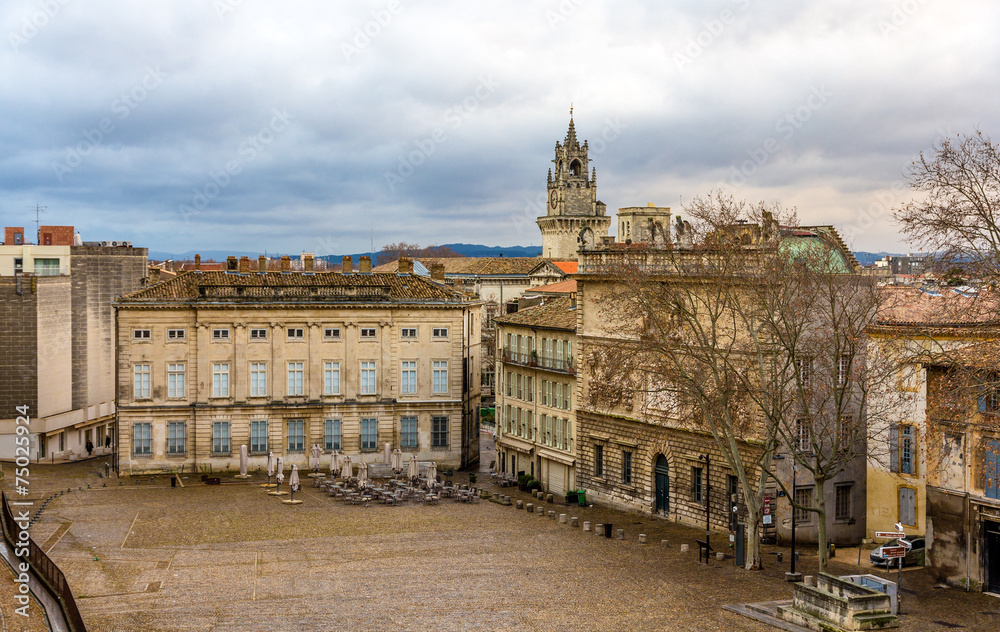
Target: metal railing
45, 569
562, 365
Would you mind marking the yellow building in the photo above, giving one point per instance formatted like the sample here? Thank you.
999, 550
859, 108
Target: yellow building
280, 361
536, 419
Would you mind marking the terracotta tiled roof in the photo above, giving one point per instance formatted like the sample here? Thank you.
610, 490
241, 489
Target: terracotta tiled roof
569, 267
938, 307
554, 314
477, 266
295, 287
562, 287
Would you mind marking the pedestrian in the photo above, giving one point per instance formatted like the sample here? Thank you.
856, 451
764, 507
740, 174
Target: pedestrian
107, 441
90, 447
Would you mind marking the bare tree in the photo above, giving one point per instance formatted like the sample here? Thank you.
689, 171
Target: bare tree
753, 334
957, 216
392, 252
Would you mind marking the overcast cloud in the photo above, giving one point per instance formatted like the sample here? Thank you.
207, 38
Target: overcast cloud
229, 124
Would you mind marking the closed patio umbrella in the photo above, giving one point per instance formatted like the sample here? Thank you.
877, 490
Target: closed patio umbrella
335, 463
316, 453
387, 454
362, 473
346, 471
397, 461
243, 460
293, 480
270, 468
432, 472
280, 474
413, 470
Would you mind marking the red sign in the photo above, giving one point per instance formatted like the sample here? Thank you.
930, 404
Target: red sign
889, 534
893, 551
767, 500
767, 511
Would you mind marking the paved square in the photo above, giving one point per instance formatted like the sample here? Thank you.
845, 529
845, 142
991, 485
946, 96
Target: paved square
147, 557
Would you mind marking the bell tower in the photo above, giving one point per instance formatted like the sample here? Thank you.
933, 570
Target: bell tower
572, 203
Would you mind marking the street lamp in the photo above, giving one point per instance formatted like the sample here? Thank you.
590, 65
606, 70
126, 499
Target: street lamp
708, 505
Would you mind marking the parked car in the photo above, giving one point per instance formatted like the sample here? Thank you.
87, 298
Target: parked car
914, 553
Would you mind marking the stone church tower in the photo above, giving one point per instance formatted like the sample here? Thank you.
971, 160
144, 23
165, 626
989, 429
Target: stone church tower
574, 214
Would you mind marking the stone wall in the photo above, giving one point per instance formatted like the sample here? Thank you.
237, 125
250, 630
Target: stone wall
18, 337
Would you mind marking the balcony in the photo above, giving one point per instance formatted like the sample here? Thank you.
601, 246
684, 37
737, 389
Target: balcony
558, 365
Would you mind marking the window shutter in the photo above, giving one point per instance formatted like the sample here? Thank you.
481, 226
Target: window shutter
894, 448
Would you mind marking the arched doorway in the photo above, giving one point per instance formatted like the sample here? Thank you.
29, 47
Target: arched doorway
661, 473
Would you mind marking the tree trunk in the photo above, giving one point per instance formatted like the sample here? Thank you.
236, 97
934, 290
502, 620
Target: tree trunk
753, 561
821, 516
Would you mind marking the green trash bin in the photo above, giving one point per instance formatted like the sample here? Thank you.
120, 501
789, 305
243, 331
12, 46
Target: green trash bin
581, 497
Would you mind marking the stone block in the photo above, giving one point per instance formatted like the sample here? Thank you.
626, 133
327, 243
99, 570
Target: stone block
620, 534
562, 518
548, 498
540, 510
599, 529
552, 515
520, 504
529, 507
685, 548
665, 544
586, 525
642, 538
574, 521
720, 556
810, 580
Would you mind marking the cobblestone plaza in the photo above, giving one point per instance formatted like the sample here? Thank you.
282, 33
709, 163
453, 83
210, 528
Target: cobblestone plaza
150, 557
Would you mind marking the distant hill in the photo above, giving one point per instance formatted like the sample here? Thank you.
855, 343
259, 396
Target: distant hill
468, 250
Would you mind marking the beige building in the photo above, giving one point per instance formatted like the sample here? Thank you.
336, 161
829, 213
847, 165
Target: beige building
536, 422
280, 361
939, 474
57, 337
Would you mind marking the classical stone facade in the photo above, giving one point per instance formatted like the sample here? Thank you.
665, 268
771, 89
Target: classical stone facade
57, 332
281, 361
574, 215
536, 419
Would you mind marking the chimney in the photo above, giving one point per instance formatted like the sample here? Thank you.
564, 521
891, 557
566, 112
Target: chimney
437, 272
154, 275
365, 265
197, 263
307, 262
244, 265
232, 264
286, 264
262, 264
347, 265
405, 265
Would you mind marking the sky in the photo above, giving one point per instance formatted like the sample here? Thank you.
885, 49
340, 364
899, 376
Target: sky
322, 126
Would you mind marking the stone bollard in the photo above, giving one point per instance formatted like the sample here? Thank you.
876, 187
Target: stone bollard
685, 548
642, 538
549, 498
586, 525
496, 495
562, 518
540, 510
810, 580
520, 504
621, 534
665, 544
599, 530
552, 515
574, 521
529, 507
720, 556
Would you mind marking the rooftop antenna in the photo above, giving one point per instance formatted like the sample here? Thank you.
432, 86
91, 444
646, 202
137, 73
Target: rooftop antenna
38, 226
372, 246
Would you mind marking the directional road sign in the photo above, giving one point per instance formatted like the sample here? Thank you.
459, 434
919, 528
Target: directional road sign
890, 534
893, 551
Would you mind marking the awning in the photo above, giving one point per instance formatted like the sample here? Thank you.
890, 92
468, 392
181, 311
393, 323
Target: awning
507, 441
565, 459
